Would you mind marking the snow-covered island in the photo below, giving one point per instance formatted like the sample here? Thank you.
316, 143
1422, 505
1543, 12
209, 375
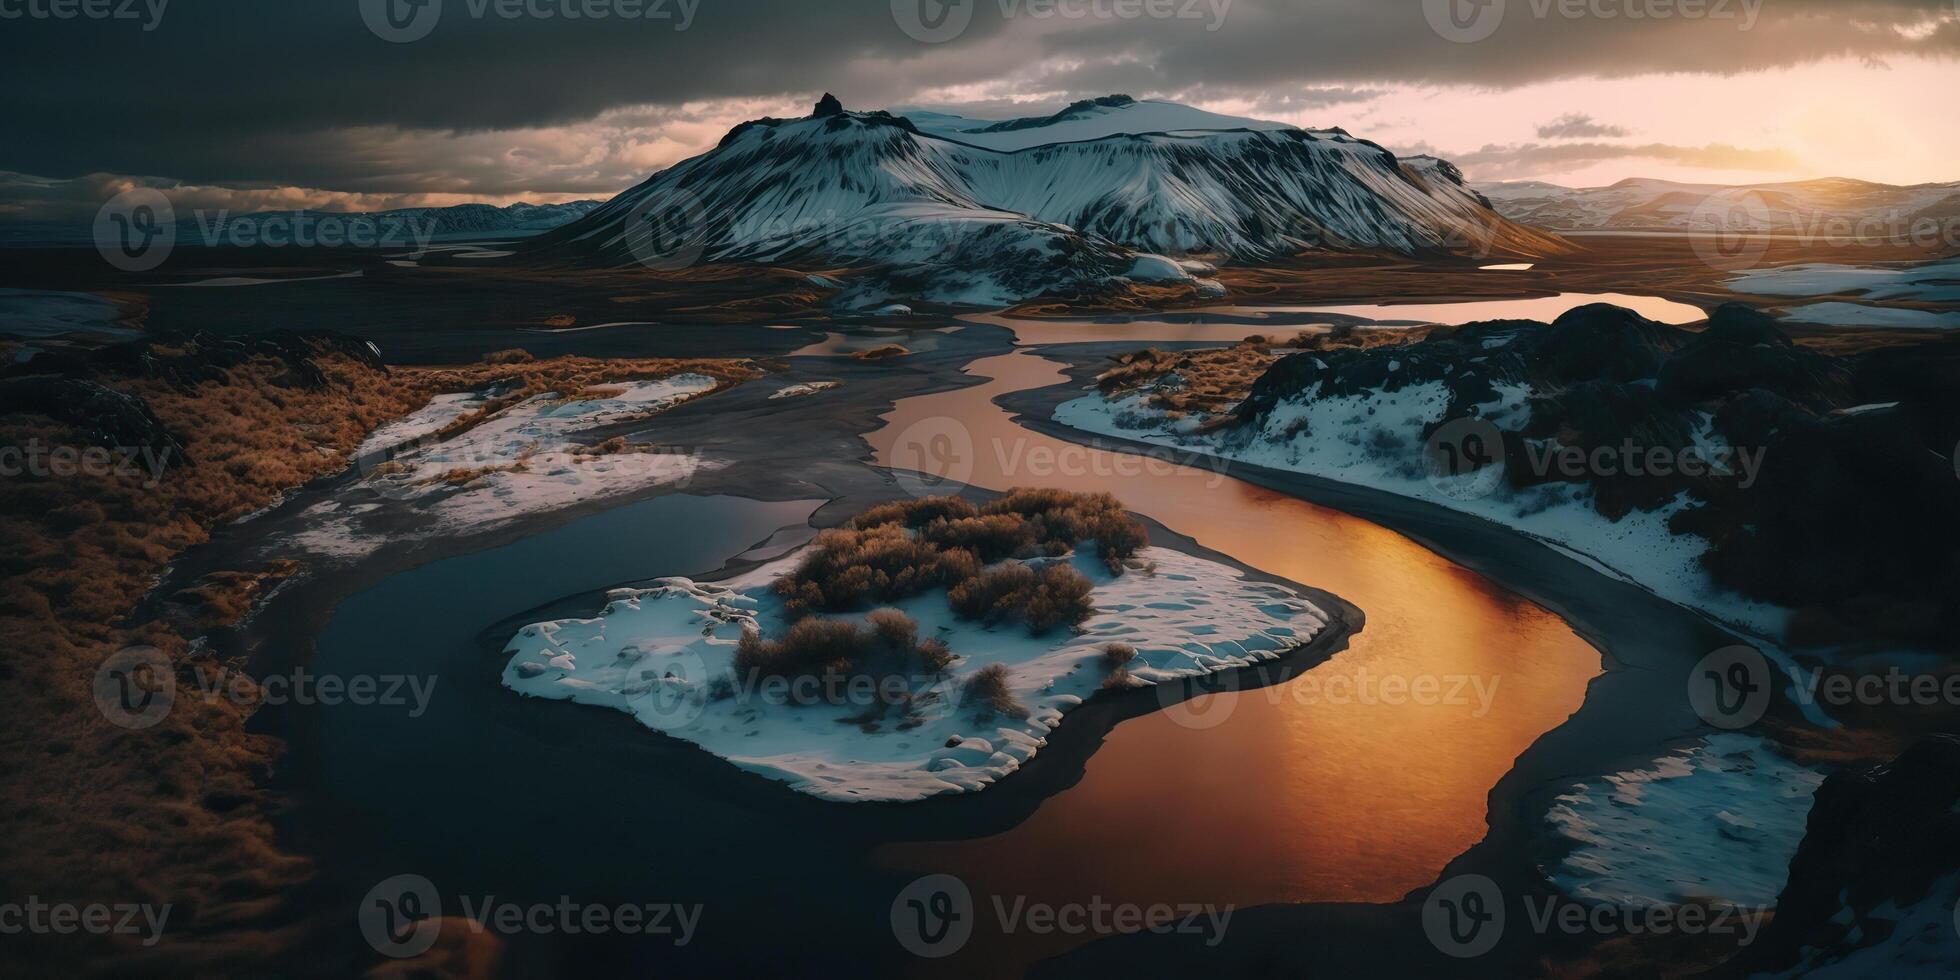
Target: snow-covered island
950, 694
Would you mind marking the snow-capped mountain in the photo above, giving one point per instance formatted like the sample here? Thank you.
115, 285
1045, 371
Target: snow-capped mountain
1819, 207
1087, 200
1090, 119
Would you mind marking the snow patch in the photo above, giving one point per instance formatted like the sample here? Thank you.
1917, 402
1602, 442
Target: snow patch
1717, 820
1374, 441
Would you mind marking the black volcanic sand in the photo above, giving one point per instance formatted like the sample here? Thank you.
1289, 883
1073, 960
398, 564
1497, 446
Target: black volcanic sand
1630, 715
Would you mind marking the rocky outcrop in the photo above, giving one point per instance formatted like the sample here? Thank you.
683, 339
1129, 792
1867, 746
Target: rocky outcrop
101, 416
1873, 879
1853, 517
71, 385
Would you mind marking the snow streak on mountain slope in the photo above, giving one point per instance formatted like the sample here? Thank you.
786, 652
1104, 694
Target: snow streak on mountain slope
1090, 119
1832, 207
957, 222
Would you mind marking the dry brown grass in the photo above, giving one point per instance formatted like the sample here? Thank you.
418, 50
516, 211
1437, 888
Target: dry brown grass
176, 813
224, 598
1213, 379
883, 352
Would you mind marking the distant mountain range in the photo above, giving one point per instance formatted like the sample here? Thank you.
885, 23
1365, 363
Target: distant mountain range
1811, 207
1107, 193
402, 225
460, 219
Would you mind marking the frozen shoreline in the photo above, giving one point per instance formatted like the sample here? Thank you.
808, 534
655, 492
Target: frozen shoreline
1638, 549
528, 458
657, 654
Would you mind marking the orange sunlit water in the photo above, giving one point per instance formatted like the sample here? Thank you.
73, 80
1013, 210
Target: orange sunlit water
1246, 321
1292, 798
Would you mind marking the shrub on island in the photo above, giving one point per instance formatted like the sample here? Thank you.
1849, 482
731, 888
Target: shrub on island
887, 643
980, 555
987, 690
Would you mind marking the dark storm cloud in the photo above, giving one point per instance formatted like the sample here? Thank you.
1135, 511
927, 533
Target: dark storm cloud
302, 93
1578, 127
1277, 42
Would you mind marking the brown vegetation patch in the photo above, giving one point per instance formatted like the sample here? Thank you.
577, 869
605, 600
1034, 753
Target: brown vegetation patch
883, 352
224, 598
987, 690
886, 644
175, 813
906, 548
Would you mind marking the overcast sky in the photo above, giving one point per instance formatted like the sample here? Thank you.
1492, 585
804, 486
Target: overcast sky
305, 103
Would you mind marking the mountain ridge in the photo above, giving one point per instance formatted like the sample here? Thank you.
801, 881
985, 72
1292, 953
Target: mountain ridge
957, 222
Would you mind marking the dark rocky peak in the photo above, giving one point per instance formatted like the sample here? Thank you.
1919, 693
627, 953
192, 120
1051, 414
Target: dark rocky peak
1740, 323
828, 106
1879, 841
1600, 341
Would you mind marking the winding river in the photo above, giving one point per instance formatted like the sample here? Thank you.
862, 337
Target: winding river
1323, 788
1295, 793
